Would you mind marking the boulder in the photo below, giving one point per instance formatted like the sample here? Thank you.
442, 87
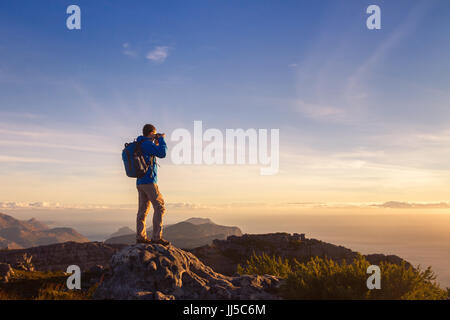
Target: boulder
5, 272
152, 271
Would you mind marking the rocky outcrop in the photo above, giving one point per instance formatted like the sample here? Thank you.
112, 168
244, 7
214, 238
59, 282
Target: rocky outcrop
146, 271
59, 256
224, 255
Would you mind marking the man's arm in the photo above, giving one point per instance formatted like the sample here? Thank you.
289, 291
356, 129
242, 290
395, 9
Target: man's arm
156, 150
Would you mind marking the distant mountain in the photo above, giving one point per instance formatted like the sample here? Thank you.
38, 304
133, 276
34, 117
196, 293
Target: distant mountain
122, 232
198, 221
17, 234
37, 224
186, 234
8, 244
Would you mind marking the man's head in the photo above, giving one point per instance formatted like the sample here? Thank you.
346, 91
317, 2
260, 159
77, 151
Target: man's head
149, 131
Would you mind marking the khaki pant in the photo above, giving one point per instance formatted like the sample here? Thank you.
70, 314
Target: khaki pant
149, 193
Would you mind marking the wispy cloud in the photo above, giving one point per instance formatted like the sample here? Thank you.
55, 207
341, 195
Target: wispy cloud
128, 51
21, 115
409, 205
318, 111
362, 205
407, 28
185, 205
58, 205
27, 159
330, 93
35, 144
159, 54
24, 133
47, 205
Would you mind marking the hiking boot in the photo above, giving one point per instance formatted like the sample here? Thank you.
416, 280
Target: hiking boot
146, 241
161, 242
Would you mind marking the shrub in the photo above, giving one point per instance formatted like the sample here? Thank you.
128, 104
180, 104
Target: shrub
322, 278
60, 292
265, 264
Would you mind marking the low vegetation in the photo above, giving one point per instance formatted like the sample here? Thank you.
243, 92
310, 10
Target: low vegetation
318, 278
37, 285
322, 278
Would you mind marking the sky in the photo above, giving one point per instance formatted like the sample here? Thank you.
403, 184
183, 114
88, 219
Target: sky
363, 114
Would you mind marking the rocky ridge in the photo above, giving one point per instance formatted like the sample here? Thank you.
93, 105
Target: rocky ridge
224, 255
57, 257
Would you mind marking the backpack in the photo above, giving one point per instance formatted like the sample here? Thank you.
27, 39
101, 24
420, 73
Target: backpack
134, 160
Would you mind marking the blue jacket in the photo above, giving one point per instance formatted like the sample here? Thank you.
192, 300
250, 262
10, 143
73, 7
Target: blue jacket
151, 149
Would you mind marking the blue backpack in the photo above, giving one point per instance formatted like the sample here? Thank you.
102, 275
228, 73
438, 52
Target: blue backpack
134, 160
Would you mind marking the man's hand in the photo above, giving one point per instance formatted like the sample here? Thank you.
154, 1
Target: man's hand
160, 135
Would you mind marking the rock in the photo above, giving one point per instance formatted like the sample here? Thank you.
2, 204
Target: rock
377, 258
151, 271
5, 272
96, 270
144, 295
24, 263
161, 296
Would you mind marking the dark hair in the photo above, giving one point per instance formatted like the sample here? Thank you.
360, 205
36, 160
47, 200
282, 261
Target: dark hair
147, 129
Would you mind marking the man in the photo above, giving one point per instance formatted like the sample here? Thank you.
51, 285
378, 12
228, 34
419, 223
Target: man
153, 145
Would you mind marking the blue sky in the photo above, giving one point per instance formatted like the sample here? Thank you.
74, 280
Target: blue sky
363, 115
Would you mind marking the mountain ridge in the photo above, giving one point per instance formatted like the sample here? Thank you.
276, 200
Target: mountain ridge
18, 234
190, 233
